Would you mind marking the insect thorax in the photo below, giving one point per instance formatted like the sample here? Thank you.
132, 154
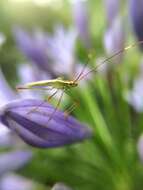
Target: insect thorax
70, 84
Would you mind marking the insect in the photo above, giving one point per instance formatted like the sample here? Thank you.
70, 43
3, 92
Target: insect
57, 83
66, 85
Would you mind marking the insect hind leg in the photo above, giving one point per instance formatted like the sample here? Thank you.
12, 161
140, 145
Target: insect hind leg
58, 104
42, 103
71, 109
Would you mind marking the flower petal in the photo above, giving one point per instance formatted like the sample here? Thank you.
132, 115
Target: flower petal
13, 160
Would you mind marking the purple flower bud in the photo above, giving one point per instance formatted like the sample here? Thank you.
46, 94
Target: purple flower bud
35, 128
112, 9
136, 14
80, 14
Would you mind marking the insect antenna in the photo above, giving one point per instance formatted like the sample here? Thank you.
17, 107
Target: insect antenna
80, 74
83, 69
107, 59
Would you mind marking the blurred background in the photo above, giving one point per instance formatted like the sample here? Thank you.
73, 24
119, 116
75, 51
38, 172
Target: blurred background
45, 39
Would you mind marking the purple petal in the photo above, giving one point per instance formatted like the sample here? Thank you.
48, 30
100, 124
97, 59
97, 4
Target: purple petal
7, 138
34, 47
81, 17
35, 127
112, 10
15, 182
27, 73
6, 93
136, 15
114, 39
135, 95
62, 44
13, 160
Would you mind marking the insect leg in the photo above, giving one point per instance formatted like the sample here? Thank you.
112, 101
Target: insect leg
33, 88
70, 109
42, 103
50, 97
59, 101
80, 74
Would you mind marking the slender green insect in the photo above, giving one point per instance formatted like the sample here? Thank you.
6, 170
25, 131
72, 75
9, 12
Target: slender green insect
66, 85
57, 83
